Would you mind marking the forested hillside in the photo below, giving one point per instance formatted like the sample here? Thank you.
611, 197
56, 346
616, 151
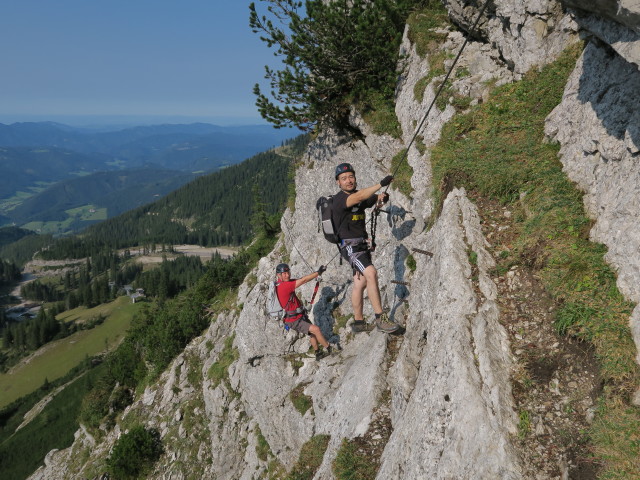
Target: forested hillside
24, 168
21, 250
12, 234
115, 191
205, 212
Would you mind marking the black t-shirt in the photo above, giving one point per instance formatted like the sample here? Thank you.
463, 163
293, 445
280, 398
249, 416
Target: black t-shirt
351, 221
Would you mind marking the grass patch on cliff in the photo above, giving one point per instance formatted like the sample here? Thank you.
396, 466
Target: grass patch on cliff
310, 458
425, 27
351, 463
263, 449
379, 112
300, 401
497, 151
402, 174
219, 370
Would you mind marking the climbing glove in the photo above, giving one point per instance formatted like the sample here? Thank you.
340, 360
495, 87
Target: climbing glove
322, 269
386, 180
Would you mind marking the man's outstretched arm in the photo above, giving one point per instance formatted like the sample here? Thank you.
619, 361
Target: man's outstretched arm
366, 193
311, 276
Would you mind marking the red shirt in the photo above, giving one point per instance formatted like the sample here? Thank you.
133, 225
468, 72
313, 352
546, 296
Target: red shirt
288, 298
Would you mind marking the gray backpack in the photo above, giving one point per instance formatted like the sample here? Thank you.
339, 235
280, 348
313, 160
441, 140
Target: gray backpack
273, 307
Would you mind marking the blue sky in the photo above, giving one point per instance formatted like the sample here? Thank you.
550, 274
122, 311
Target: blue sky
167, 59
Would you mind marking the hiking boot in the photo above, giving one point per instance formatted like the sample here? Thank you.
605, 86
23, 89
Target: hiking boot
310, 354
360, 326
385, 325
320, 354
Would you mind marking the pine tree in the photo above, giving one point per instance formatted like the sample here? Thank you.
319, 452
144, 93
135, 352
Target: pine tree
334, 53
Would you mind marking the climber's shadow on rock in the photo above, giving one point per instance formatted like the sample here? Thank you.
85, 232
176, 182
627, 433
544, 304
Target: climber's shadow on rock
400, 291
400, 226
329, 300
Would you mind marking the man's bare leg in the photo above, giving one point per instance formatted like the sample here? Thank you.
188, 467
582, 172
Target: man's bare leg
316, 336
357, 294
373, 290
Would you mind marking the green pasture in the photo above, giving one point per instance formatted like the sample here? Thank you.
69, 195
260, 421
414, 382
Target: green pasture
85, 213
116, 163
56, 358
49, 227
9, 203
88, 212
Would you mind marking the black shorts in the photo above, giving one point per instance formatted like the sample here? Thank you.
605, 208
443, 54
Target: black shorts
358, 256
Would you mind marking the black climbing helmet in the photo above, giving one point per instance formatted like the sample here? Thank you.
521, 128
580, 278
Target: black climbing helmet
283, 267
344, 167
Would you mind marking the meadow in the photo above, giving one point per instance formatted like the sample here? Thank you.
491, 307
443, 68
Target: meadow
55, 359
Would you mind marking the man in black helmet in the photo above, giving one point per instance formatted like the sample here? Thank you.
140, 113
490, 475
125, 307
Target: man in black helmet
349, 215
295, 314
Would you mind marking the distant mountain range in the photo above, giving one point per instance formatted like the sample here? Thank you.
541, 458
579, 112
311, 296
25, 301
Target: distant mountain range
47, 168
199, 146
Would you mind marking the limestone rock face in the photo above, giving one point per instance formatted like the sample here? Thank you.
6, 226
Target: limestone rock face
482, 67
454, 416
623, 38
526, 34
623, 12
598, 127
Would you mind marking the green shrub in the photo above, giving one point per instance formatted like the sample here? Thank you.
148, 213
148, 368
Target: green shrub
134, 453
95, 404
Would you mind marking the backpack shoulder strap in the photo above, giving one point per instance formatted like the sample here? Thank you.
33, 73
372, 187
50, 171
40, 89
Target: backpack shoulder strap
284, 307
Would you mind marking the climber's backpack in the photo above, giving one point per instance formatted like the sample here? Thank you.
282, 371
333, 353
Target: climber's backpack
273, 307
324, 205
